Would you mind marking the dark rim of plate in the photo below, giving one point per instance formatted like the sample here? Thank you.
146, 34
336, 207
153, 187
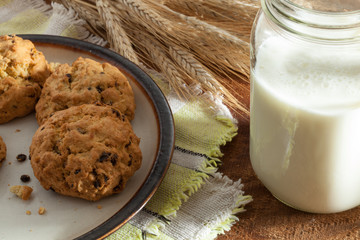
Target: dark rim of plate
165, 121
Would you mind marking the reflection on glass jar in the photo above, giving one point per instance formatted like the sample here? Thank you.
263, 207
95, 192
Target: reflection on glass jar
305, 103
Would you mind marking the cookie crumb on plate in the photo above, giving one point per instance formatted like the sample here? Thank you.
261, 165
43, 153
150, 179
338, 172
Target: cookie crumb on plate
22, 192
41, 210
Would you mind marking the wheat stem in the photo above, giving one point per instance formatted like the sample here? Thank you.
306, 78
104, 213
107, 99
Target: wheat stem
88, 14
198, 72
160, 58
116, 35
193, 67
144, 12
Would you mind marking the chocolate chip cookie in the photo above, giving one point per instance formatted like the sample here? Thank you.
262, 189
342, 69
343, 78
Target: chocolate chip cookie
23, 70
85, 81
87, 151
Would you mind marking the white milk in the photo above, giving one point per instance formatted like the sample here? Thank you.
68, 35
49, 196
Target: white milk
305, 125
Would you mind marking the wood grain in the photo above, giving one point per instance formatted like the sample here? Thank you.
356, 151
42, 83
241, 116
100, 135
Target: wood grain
266, 217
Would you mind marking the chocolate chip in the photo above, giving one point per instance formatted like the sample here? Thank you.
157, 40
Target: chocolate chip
102, 73
104, 156
69, 77
113, 159
42, 128
116, 112
89, 88
81, 130
106, 178
77, 171
119, 186
97, 183
128, 144
56, 149
130, 161
14, 106
21, 157
99, 89
25, 178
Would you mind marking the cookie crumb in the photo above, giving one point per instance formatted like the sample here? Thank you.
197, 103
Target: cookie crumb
28, 212
41, 210
22, 192
17, 130
99, 206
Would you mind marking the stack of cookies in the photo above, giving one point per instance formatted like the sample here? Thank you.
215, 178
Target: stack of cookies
85, 145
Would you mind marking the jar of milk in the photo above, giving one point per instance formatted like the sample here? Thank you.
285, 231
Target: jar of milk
305, 102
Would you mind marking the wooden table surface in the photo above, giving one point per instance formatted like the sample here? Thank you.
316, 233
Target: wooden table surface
265, 216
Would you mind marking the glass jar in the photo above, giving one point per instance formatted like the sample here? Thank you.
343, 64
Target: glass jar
305, 102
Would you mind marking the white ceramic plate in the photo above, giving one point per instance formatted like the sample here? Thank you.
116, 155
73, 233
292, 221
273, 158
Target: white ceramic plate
67, 217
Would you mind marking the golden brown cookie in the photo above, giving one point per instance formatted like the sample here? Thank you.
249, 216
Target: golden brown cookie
86, 81
85, 151
23, 70
2, 151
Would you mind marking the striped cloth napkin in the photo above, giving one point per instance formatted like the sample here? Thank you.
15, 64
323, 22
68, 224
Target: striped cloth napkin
194, 201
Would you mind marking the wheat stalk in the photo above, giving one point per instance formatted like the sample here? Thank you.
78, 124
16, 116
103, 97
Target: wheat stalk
216, 9
209, 41
235, 5
167, 67
145, 13
193, 67
89, 14
199, 72
199, 46
116, 35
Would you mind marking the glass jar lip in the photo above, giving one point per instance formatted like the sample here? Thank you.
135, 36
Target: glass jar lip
313, 24
290, 3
